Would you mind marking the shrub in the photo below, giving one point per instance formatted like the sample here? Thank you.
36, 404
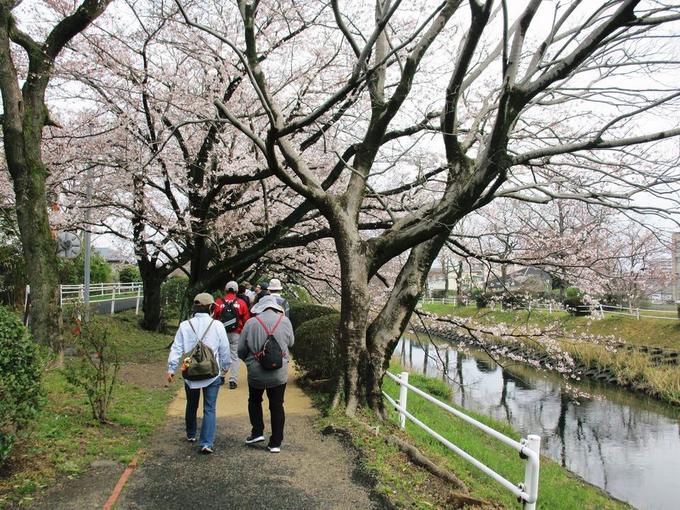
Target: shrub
301, 313
316, 347
71, 271
297, 293
20, 380
481, 298
574, 302
513, 302
173, 291
129, 273
96, 368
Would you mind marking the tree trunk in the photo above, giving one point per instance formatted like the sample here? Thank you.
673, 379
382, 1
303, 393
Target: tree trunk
353, 324
40, 254
389, 326
152, 280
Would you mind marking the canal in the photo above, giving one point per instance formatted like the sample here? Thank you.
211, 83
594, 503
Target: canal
622, 442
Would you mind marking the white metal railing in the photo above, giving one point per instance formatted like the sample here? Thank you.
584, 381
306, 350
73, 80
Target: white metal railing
528, 448
637, 312
69, 294
550, 307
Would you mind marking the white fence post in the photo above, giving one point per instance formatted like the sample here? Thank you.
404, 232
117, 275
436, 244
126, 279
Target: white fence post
113, 300
27, 293
139, 294
403, 397
533, 442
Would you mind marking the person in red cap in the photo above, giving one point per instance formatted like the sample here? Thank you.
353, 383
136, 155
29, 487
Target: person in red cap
233, 312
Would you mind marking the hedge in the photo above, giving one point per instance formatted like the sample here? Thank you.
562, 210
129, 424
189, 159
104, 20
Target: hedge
20, 380
302, 312
316, 348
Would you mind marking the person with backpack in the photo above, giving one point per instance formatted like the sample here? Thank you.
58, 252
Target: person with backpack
243, 294
233, 312
275, 289
264, 345
201, 347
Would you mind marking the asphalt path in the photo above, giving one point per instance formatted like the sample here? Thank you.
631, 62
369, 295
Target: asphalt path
312, 471
104, 307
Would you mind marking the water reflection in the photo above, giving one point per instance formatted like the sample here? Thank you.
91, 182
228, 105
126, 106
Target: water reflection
619, 441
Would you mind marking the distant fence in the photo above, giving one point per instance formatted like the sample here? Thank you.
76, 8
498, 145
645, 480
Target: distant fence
528, 449
99, 293
590, 309
71, 294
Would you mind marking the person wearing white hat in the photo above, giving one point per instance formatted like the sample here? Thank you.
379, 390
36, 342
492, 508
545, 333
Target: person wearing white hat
270, 320
201, 327
275, 289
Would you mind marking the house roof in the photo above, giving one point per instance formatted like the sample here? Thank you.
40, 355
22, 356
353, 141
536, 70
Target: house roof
109, 254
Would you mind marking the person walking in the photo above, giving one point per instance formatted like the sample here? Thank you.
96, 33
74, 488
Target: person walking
249, 292
201, 327
275, 289
233, 312
243, 294
261, 290
270, 320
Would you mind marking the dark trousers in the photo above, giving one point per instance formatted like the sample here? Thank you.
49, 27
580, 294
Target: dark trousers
278, 416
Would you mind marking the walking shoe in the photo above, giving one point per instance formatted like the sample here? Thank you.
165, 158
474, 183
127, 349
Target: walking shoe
232, 385
254, 439
206, 449
191, 439
274, 449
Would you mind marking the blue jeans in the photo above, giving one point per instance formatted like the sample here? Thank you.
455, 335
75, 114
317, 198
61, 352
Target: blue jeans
209, 403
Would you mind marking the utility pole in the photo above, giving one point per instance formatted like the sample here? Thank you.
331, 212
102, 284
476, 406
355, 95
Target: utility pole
86, 289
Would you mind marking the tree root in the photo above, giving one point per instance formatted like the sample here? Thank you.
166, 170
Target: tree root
420, 460
458, 500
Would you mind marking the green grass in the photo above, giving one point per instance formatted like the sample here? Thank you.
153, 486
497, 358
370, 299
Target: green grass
558, 489
64, 440
133, 343
645, 331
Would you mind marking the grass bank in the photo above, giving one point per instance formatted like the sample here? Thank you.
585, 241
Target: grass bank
645, 331
631, 368
408, 486
64, 439
558, 488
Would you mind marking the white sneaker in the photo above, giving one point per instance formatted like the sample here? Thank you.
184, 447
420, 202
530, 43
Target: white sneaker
254, 439
274, 449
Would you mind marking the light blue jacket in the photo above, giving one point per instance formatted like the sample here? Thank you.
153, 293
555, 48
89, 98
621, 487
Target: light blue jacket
185, 340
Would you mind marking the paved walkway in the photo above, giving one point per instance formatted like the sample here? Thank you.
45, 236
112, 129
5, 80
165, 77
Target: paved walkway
312, 471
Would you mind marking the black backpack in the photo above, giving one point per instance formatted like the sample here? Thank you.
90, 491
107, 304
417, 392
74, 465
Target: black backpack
229, 315
271, 355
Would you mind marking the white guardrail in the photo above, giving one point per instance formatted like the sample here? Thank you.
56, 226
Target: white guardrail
529, 448
70, 294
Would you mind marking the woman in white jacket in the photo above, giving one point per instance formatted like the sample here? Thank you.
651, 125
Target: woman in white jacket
213, 335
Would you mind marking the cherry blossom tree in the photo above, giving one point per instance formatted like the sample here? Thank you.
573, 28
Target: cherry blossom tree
27, 60
392, 80
172, 175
